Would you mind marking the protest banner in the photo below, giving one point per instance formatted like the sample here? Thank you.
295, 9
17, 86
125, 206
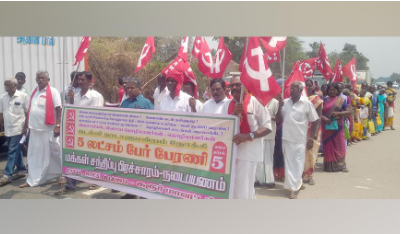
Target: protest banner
150, 154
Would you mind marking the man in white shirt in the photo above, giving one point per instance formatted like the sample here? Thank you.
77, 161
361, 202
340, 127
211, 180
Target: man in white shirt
44, 114
219, 103
13, 109
297, 111
264, 170
194, 103
86, 97
177, 100
74, 87
160, 92
255, 123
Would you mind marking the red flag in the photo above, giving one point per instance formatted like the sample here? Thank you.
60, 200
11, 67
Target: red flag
83, 48
256, 74
146, 54
323, 63
273, 44
350, 71
182, 53
338, 72
214, 68
306, 67
272, 57
197, 46
296, 75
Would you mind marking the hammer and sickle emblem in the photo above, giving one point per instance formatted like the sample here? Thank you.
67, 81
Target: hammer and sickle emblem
71, 129
145, 49
69, 142
263, 74
71, 116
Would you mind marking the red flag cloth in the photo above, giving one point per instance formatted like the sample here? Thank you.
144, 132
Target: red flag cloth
182, 53
197, 45
350, 70
306, 67
323, 63
83, 48
272, 57
146, 54
338, 72
296, 75
273, 44
189, 76
214, 69
256, 75
49, 118
243, 125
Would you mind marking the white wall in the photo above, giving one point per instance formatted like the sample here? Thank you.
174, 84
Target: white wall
29, 58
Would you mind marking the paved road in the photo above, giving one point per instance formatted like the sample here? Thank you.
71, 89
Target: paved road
374, 173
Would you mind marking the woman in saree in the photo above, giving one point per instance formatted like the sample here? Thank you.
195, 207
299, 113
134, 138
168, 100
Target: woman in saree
365, 107
390, 105
381, 103
334, 110
311, 155
358, 130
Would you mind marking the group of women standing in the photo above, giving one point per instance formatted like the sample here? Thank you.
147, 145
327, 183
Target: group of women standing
347, 117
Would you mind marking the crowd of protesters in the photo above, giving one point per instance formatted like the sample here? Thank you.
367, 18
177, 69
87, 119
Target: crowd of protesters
279, 141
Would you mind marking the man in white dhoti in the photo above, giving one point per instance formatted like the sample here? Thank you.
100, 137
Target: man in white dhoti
44, 124
255, 123
264, 170
219, 103
297, 111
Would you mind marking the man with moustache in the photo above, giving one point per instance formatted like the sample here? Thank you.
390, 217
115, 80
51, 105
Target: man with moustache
177, 100
255, 123
44, 114
160, 92
13, 109
219, 103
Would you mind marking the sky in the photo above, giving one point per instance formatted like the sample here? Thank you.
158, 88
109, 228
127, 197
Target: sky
383, 52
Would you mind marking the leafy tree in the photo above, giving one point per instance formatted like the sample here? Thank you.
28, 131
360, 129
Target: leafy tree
315, 46
350, 51
395, 77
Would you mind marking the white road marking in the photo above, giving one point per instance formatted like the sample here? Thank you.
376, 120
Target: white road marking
362, 187
91, 192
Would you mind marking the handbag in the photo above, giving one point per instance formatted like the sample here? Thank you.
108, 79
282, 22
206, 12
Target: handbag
390, 112
378, 120
363, 113
332, 126
371, 127
346, 132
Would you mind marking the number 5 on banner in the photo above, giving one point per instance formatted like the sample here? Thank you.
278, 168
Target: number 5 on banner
219, 157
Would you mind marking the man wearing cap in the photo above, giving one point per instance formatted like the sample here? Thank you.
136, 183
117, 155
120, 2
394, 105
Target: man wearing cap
177, 100
255, 123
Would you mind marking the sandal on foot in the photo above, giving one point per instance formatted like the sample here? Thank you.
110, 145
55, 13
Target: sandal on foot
24, 185
63, 191
93, 187
4, 181
311, 182
345, 170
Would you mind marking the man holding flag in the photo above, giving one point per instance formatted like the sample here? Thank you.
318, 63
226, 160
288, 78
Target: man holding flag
255, 123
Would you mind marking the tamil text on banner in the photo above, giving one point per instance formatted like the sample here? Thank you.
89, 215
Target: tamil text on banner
150, 154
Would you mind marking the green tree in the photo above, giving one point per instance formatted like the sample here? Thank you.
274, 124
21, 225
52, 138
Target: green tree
315, 46
350, 51
395, 77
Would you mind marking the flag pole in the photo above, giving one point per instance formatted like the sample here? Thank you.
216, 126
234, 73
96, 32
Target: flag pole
143, 86
75, 74
242, 88
282, 74
63, 101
